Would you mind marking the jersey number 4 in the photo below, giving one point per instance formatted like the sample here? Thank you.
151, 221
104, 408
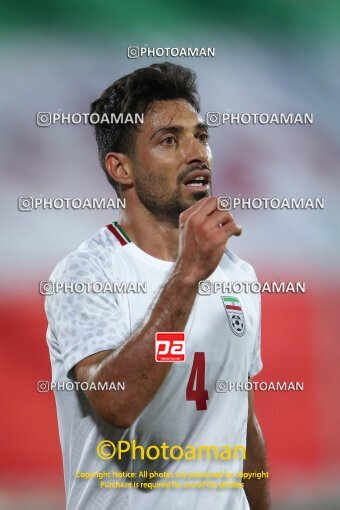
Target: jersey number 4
197, 374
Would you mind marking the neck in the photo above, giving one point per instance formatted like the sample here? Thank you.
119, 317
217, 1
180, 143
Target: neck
155, 236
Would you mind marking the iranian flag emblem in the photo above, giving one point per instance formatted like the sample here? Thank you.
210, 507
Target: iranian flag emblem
235, 314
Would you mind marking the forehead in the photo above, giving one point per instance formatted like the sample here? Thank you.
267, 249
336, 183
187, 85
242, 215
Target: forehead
170, 113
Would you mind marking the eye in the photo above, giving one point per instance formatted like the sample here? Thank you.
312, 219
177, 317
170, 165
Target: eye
169, 140
203, 137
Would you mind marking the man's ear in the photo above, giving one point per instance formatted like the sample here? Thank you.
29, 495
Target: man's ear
119, 166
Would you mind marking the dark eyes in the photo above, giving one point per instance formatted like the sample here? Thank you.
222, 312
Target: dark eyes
171, 140
204, 137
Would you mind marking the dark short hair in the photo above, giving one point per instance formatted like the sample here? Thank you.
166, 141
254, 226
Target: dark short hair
134, 94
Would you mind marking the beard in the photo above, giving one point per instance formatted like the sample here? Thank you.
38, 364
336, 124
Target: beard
153, 192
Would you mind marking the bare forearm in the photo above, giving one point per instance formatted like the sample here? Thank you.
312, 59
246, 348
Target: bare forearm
134, 362
203, 234
257, 489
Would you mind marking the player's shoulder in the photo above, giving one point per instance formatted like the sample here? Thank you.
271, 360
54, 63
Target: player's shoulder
231, 259
92, 257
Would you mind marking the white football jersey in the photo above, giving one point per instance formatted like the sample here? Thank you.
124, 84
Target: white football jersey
222, 343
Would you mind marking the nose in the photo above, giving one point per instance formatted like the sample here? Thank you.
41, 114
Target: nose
196, 151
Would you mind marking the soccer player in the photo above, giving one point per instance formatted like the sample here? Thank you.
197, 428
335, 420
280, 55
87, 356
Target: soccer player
171, 235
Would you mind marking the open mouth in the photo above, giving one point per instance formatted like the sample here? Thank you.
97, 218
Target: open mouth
199, 180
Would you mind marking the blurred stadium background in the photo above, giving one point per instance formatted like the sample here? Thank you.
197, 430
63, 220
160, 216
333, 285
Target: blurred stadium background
271, 56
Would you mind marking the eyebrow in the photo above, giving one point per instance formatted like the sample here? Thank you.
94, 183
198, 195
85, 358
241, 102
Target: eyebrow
178, 129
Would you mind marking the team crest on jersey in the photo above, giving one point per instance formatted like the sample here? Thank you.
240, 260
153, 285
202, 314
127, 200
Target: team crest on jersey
236, 319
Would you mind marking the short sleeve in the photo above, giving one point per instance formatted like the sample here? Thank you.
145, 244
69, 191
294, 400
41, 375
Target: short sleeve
256, 361
84, 323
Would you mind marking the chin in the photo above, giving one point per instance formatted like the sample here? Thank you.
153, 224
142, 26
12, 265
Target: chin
196, 196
